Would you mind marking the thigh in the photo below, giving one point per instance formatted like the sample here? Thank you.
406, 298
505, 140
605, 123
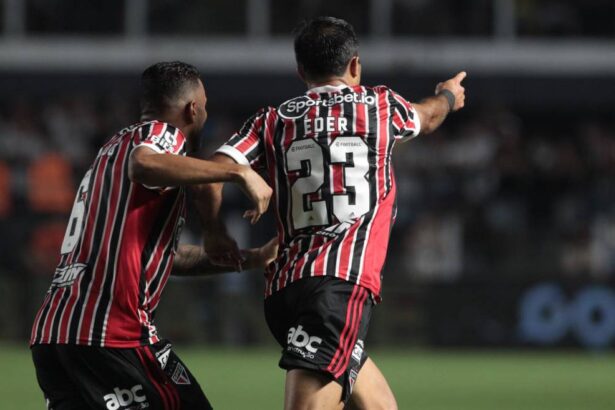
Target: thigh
60, 392
307, 390
371, 390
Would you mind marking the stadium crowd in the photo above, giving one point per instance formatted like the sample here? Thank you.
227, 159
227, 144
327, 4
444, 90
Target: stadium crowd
495, 194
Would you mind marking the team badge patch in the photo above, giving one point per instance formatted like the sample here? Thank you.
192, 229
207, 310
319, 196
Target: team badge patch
180, 375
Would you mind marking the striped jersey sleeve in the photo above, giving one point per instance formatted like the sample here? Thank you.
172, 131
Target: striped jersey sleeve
405, 118
246, 146
162, 138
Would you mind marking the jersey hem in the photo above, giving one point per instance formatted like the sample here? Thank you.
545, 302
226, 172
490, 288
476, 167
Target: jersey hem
111, 345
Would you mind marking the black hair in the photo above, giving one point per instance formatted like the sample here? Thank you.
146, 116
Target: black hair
163, 83
324, 46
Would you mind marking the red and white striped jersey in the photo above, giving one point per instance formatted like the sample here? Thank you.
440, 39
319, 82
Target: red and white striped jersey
118, 249
328, 158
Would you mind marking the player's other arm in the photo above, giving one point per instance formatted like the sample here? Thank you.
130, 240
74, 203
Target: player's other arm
220, 246
450, 97
192, 260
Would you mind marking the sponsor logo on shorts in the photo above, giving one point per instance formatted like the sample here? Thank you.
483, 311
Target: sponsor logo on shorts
357, 352
67, 275
300, 342
180, 375
163, 355
126, 399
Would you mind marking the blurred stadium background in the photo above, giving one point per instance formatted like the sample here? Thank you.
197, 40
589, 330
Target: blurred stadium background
499, 284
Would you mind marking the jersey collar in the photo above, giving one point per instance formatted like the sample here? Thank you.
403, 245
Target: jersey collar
327, 88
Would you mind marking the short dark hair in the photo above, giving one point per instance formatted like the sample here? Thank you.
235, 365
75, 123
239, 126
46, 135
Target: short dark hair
324, 46
163, 83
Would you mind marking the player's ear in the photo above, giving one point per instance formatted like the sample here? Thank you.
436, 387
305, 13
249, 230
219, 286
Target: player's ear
191, 112
354, 66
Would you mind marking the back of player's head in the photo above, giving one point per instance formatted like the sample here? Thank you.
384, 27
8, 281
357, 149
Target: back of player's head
324, 46
164, 84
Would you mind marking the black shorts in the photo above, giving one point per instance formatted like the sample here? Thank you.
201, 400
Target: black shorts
87, 377
321, 324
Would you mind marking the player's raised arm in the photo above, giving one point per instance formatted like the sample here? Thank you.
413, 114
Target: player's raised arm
450, 97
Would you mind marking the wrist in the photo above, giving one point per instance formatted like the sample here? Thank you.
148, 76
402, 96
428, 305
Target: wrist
239, 174
449, 96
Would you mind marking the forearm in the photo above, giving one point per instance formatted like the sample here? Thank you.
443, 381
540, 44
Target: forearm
208, 199
192, 260
432, 112
154, 169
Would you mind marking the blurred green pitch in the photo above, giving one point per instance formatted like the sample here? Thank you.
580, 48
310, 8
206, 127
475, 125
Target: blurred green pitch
421, 379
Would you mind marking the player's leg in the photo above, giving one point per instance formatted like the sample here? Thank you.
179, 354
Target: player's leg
371, 390
321, 324
309, 390
59, 390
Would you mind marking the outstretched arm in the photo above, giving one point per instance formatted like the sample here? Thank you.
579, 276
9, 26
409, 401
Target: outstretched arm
450, 97
192, 260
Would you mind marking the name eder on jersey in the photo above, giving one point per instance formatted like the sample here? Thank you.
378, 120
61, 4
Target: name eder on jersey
298, 106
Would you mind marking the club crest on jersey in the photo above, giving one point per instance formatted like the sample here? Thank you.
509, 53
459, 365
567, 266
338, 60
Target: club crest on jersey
67, 275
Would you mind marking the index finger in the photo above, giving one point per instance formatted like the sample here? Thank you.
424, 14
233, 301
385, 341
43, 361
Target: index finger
460, 76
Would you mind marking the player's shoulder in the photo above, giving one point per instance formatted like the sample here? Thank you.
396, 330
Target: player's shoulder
160, 136
381, 89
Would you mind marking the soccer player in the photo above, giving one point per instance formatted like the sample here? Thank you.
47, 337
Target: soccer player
94, 342
327, 154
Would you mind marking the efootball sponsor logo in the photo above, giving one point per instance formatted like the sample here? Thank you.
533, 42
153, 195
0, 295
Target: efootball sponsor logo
299, 341
298, 106
126, 399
